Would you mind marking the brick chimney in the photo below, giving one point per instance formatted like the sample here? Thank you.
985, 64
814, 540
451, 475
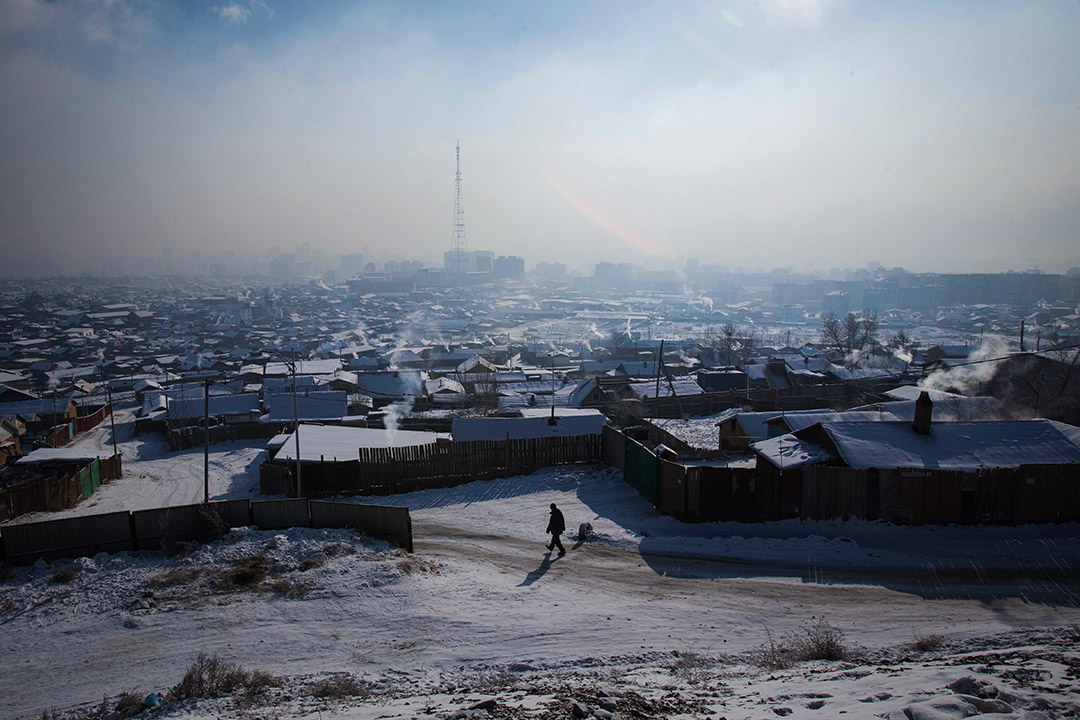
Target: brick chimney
924, 410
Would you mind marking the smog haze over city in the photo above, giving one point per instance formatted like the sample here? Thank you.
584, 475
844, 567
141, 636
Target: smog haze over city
494, 360
782, 133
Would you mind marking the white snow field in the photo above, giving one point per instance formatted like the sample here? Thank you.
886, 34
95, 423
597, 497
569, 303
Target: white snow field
647, 618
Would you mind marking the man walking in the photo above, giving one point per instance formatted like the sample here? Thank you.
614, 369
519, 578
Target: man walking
556, 526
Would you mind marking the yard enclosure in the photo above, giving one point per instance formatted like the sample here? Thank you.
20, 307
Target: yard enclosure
159, 528
389, 470
702, 493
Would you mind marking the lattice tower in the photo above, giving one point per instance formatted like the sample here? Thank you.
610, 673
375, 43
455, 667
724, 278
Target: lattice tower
459, 248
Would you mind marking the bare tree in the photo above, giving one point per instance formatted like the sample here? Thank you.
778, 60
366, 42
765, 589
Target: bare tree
750, 341
1065, 351
728, 342
901, 341
849, 336
831, 334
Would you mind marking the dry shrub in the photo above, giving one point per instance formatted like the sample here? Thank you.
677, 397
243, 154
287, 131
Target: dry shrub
245, 572
294, 589
817, 641
259, 681
129, 703
63, 574
209, 525
773, 655
176, 576
338, 686
338, 548
210, 676
693, 664
926, 643
315, 561
413, 565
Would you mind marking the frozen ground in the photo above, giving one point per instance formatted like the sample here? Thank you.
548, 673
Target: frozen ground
648, 616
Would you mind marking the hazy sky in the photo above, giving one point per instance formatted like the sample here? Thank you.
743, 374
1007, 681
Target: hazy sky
799, 133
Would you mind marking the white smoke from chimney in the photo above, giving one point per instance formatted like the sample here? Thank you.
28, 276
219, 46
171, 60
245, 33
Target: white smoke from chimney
966, 379
396, 411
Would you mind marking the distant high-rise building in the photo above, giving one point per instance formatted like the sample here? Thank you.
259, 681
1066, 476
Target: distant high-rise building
551, 270
283, 265
508, 267
351, 264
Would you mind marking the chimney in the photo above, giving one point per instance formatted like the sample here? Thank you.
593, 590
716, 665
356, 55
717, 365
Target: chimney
924, 409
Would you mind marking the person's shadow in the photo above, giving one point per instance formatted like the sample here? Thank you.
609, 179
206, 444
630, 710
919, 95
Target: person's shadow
538, 573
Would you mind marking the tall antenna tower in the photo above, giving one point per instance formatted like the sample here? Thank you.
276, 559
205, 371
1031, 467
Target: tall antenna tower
459, 249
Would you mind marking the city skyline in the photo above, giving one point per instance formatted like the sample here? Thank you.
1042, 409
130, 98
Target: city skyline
755, 134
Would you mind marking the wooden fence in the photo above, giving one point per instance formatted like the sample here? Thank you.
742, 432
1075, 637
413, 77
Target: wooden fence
833, 493
390, 522
613, 450
383, 471
1027, 494
71, 537
92, 419
188, 436
60, 435
157, 528
59, 492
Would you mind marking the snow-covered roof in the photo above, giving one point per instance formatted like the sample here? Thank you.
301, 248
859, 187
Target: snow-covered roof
683, 388
474, 365
946, 409
30, 408
47, 455
964, 446
534, 423
314, 406
798, 420
443, 385
189, 407
1070, 431
277, 441
304, 367
697, 432
392, 384
912, 392
788, 452
755, 424
326, 442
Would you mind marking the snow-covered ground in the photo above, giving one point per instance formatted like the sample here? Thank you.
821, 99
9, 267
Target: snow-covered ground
156, 477
648, 617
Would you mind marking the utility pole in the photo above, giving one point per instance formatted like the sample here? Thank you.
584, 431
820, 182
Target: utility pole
112, 422
659, 357
551, 421
290, 365
206, 441
296, 425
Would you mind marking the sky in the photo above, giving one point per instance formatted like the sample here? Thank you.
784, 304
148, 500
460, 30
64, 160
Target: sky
776, 133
